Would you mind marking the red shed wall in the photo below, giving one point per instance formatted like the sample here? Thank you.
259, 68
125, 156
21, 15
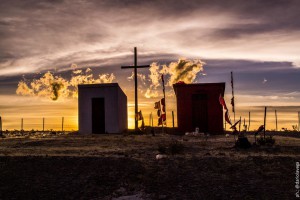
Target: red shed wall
184, 93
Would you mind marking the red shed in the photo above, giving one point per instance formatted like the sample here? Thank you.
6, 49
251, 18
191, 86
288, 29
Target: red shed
198, 106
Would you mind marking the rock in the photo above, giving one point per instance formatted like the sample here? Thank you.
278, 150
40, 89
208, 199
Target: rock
243, 142
160, 156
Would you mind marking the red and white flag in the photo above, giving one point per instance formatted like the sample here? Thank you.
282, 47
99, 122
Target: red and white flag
227, 118
222, 102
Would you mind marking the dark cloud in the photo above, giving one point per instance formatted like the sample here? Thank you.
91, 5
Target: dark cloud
43, 35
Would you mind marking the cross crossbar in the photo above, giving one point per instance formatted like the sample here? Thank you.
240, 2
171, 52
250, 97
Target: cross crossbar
130, 67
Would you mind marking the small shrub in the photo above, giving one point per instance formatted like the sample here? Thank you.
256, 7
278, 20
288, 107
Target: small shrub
176, 147
243, 143
270, 140
267, 141
162, 149
173, 147
261, 141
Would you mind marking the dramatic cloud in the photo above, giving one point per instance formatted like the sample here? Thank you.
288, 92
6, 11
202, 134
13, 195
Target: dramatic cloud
183, 70
54, 87
42, 35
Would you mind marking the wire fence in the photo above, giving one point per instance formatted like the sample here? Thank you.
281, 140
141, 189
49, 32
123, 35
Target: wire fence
39, 123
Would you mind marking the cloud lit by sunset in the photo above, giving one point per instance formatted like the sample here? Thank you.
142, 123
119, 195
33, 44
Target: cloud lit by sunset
49, 47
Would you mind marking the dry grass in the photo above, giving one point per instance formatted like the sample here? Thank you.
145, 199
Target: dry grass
72, 166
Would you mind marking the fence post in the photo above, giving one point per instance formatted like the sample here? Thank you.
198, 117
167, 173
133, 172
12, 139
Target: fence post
0, 126
276, 119
298, 120
249, 122
240, 124
43, 124
265, 116
21, 124
62, 124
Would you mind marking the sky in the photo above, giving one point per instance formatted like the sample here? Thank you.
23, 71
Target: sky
72, 40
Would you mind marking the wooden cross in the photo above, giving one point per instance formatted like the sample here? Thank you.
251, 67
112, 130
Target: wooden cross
135, 83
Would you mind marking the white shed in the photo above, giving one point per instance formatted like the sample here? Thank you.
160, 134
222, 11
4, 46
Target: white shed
102, 108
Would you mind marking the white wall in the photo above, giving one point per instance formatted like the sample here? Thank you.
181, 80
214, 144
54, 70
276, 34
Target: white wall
115, 107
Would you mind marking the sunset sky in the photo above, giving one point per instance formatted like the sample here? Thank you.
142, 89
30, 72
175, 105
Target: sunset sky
258, 40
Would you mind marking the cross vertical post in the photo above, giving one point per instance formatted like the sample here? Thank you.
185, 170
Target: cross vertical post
135, 84
135, 90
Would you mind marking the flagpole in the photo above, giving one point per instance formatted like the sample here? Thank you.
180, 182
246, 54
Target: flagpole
0, 126
163, 81
249, 122
276, 119
232, 100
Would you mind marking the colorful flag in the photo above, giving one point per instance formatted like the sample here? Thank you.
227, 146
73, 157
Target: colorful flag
157, 105
227, 118
232, 99
222, 102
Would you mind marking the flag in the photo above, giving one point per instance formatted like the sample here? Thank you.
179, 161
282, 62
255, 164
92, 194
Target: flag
162, 119
143, 125
234, 125
159, 121
163, 108
227, 118
232, 103
232, 99
157, 105
163, 101
139, 116
231, 80
222, 102
158, 113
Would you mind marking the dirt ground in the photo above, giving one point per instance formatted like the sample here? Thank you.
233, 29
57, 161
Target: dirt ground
72, 166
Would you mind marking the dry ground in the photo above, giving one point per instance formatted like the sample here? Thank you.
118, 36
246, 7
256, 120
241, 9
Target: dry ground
72, 166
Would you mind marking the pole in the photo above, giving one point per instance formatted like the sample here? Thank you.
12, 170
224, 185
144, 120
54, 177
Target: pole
298, 120
249, 122
276, 119
240, 124
62, 124
43, 124
163, 84
173, 118
151, 119
265, 116
232, 100
0, 126
135, 89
